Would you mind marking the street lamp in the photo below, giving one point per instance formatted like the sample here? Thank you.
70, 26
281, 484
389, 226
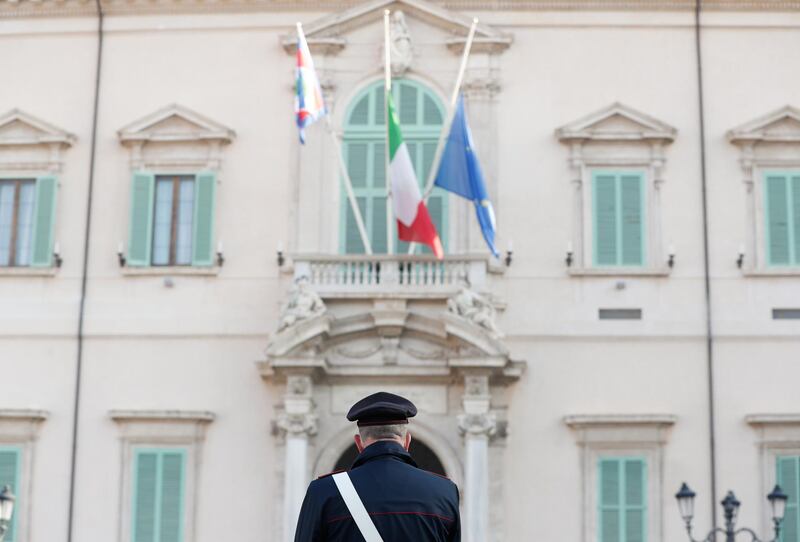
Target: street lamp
730, 505
6, 510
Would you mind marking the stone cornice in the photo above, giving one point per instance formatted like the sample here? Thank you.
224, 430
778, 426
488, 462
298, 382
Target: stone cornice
61, 8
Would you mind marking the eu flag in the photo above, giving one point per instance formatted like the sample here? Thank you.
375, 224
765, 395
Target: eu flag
460, 172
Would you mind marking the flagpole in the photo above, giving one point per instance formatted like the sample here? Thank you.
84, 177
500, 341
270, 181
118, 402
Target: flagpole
348, 185
387, 84
451, 111
340, 159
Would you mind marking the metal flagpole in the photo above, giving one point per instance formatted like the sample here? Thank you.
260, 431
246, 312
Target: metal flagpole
437, 157
348, 185
387, 84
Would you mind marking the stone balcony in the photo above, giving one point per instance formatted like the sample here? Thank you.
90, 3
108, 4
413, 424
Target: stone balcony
392, 275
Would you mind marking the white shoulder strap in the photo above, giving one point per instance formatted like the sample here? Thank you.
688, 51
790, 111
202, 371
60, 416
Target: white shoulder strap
356, 507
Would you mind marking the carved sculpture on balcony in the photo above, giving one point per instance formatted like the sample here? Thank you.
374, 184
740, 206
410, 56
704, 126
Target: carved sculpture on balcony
304, 303
401, 48
474, 307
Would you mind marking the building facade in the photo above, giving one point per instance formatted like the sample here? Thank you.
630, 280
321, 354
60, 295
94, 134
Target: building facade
187, 310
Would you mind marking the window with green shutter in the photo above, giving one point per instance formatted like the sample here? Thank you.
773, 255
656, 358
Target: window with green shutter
622, 497
421, 115
10, 459
788, 477
27, 219
172, 220
618, 218
782, 206
158, 495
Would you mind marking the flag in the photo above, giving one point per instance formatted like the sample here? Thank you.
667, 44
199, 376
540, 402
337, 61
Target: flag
414, 224
460, 172
308, 104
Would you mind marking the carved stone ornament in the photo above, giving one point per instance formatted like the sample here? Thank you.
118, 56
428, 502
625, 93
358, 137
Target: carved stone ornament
475, 308
401, 49
477, 424
296, 424
304, 303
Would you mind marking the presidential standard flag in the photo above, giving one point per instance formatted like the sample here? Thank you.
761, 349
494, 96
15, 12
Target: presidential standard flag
460, 172
308, 104
414, 224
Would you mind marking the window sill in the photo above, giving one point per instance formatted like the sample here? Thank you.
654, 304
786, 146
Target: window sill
772, 272
171, 271
28, 271
619, 272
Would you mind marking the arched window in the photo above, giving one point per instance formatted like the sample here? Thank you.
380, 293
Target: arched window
421, 116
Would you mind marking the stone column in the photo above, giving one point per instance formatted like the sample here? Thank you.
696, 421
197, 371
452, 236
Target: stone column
477, 425
296, 423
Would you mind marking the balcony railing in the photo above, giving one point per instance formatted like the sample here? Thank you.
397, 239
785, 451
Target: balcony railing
407, 275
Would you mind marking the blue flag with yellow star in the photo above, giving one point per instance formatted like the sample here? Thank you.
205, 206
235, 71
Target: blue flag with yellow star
460, 173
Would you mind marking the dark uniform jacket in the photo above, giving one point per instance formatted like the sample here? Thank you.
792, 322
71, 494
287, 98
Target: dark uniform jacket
407, 504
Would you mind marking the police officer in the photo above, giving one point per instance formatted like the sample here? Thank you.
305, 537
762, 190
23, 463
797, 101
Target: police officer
384, 496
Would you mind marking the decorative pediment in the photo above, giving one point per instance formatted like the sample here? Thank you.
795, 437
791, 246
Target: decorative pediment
617, 123
389, 341
174, 124
20, 128
29, 143
326, 35
781, 126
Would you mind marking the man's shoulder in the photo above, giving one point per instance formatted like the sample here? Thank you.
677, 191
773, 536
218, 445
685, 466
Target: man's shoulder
324, 485
437, 480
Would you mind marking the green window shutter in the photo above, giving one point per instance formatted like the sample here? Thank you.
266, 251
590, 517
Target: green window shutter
778, 232
171, 509
378, 221
635, 500
379, 165
44, 215
632, 220
203, 226
141, 219
408, 104
610, 496
605, 220
789, 480
145, 500
158, 502
357, 156
622, 511
360, 114
9, 476
431, 113
352, 239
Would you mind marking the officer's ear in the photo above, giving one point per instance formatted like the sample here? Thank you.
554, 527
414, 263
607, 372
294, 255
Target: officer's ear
359, 443
407, 443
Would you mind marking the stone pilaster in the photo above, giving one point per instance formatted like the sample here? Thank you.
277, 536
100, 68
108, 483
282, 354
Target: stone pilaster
477, 424
296, 424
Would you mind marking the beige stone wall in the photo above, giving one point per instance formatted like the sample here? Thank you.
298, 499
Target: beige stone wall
194, 346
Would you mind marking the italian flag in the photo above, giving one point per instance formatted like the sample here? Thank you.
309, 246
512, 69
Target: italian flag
414, 224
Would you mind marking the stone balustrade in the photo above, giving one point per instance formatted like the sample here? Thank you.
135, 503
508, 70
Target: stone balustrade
356, 275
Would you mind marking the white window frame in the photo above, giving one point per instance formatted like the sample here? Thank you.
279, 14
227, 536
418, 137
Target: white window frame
160, 145
167, 429
765, 144
20, 428
777, 434
43, 146
621, 436
600, 142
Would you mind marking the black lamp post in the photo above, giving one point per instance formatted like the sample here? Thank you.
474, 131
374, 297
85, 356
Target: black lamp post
730, 504
6, 510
